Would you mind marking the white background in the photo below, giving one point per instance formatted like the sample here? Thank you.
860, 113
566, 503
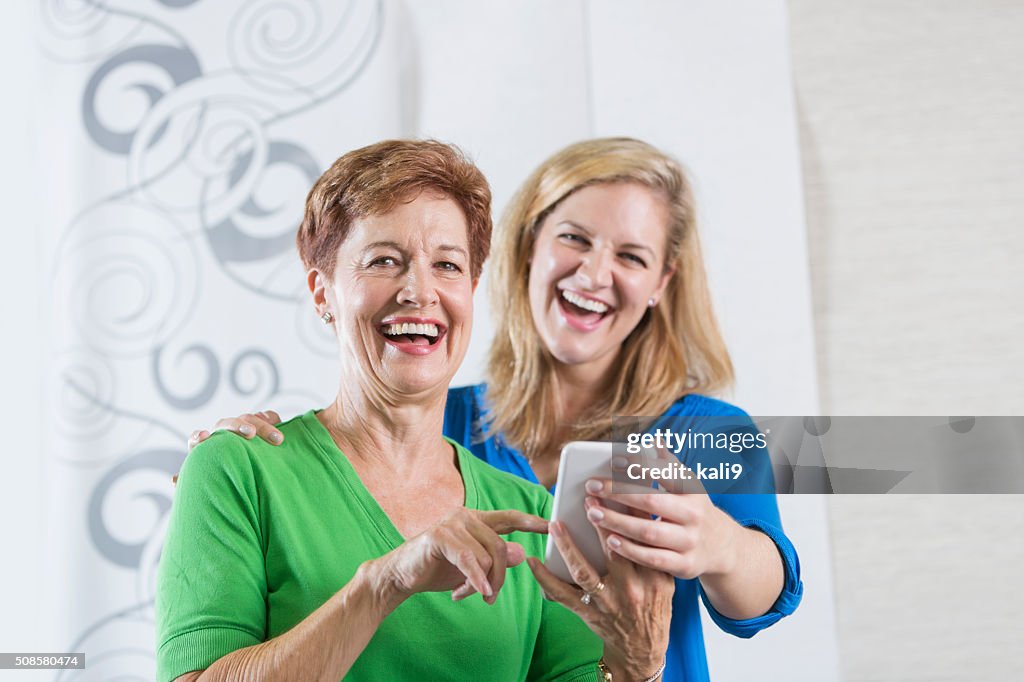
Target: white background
912, 138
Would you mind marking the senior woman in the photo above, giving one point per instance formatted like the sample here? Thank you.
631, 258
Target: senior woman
332, 557
603, 310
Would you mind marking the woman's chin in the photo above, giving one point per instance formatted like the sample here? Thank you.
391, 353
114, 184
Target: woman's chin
574, 355
574, 349
417, 381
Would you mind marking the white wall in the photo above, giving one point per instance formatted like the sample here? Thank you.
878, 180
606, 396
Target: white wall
912, 133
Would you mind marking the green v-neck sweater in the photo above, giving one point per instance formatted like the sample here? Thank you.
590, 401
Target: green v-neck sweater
260, 536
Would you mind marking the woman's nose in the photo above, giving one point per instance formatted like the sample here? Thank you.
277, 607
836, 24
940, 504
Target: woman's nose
419, 290
595, 272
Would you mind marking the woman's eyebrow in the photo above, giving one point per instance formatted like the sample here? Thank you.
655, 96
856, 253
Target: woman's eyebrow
642, 247
452, 247
376, 245
579, 227
630, 245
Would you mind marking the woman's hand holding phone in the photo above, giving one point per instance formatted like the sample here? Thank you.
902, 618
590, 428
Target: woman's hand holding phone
688, 536
629, 608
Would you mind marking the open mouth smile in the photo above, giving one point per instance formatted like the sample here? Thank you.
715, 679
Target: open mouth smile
413, 335
582, 312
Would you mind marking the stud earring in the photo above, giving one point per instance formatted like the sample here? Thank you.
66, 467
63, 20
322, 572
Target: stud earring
651, 303
327, 318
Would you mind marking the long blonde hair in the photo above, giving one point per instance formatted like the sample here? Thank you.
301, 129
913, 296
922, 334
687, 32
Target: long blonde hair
675, 349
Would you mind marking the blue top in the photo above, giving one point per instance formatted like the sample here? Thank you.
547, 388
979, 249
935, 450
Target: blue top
687, 662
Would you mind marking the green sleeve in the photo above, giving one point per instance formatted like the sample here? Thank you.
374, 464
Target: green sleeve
566, 650
212, 588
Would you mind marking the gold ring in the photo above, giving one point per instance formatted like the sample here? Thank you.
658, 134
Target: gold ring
588, 596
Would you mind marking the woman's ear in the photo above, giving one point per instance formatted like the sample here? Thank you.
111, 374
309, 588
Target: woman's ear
666, 277
317, 287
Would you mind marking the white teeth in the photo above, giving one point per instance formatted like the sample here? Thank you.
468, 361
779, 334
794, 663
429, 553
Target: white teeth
585, 303
410, 328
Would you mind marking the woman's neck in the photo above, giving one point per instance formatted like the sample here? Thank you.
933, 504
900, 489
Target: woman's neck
386, 433
579, 388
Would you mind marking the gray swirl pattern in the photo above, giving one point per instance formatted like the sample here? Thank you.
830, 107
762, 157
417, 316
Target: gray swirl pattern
176, 291
179, 64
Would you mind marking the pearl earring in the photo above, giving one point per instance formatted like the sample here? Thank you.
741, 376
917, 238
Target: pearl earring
327, 318
651, 303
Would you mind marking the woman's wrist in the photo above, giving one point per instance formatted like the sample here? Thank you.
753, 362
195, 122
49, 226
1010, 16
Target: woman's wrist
378, 580
748, 589
726, 553
626, 668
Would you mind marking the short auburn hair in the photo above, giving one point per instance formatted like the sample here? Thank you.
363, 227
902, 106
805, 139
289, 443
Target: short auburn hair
374, 179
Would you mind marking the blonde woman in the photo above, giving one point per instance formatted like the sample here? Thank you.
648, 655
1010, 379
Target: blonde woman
602, 309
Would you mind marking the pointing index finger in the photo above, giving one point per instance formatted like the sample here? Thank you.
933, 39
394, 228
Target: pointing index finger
509, 520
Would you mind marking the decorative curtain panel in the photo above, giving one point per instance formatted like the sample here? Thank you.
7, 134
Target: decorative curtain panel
189, 133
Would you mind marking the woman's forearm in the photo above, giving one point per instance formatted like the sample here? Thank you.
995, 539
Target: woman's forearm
751, 578
325, 644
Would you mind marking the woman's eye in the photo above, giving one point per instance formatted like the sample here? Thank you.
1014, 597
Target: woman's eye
633, 258
575, 239
384, 261
448, 266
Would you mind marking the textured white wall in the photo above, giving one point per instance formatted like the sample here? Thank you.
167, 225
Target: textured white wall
912, 135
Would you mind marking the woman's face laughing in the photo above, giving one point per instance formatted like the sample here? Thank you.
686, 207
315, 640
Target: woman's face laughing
598, 262
402, 295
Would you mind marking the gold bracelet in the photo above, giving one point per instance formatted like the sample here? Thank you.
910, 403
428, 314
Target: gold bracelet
659, 671
607, 674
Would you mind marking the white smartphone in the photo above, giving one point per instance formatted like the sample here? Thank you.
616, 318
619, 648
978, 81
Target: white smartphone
581, 460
